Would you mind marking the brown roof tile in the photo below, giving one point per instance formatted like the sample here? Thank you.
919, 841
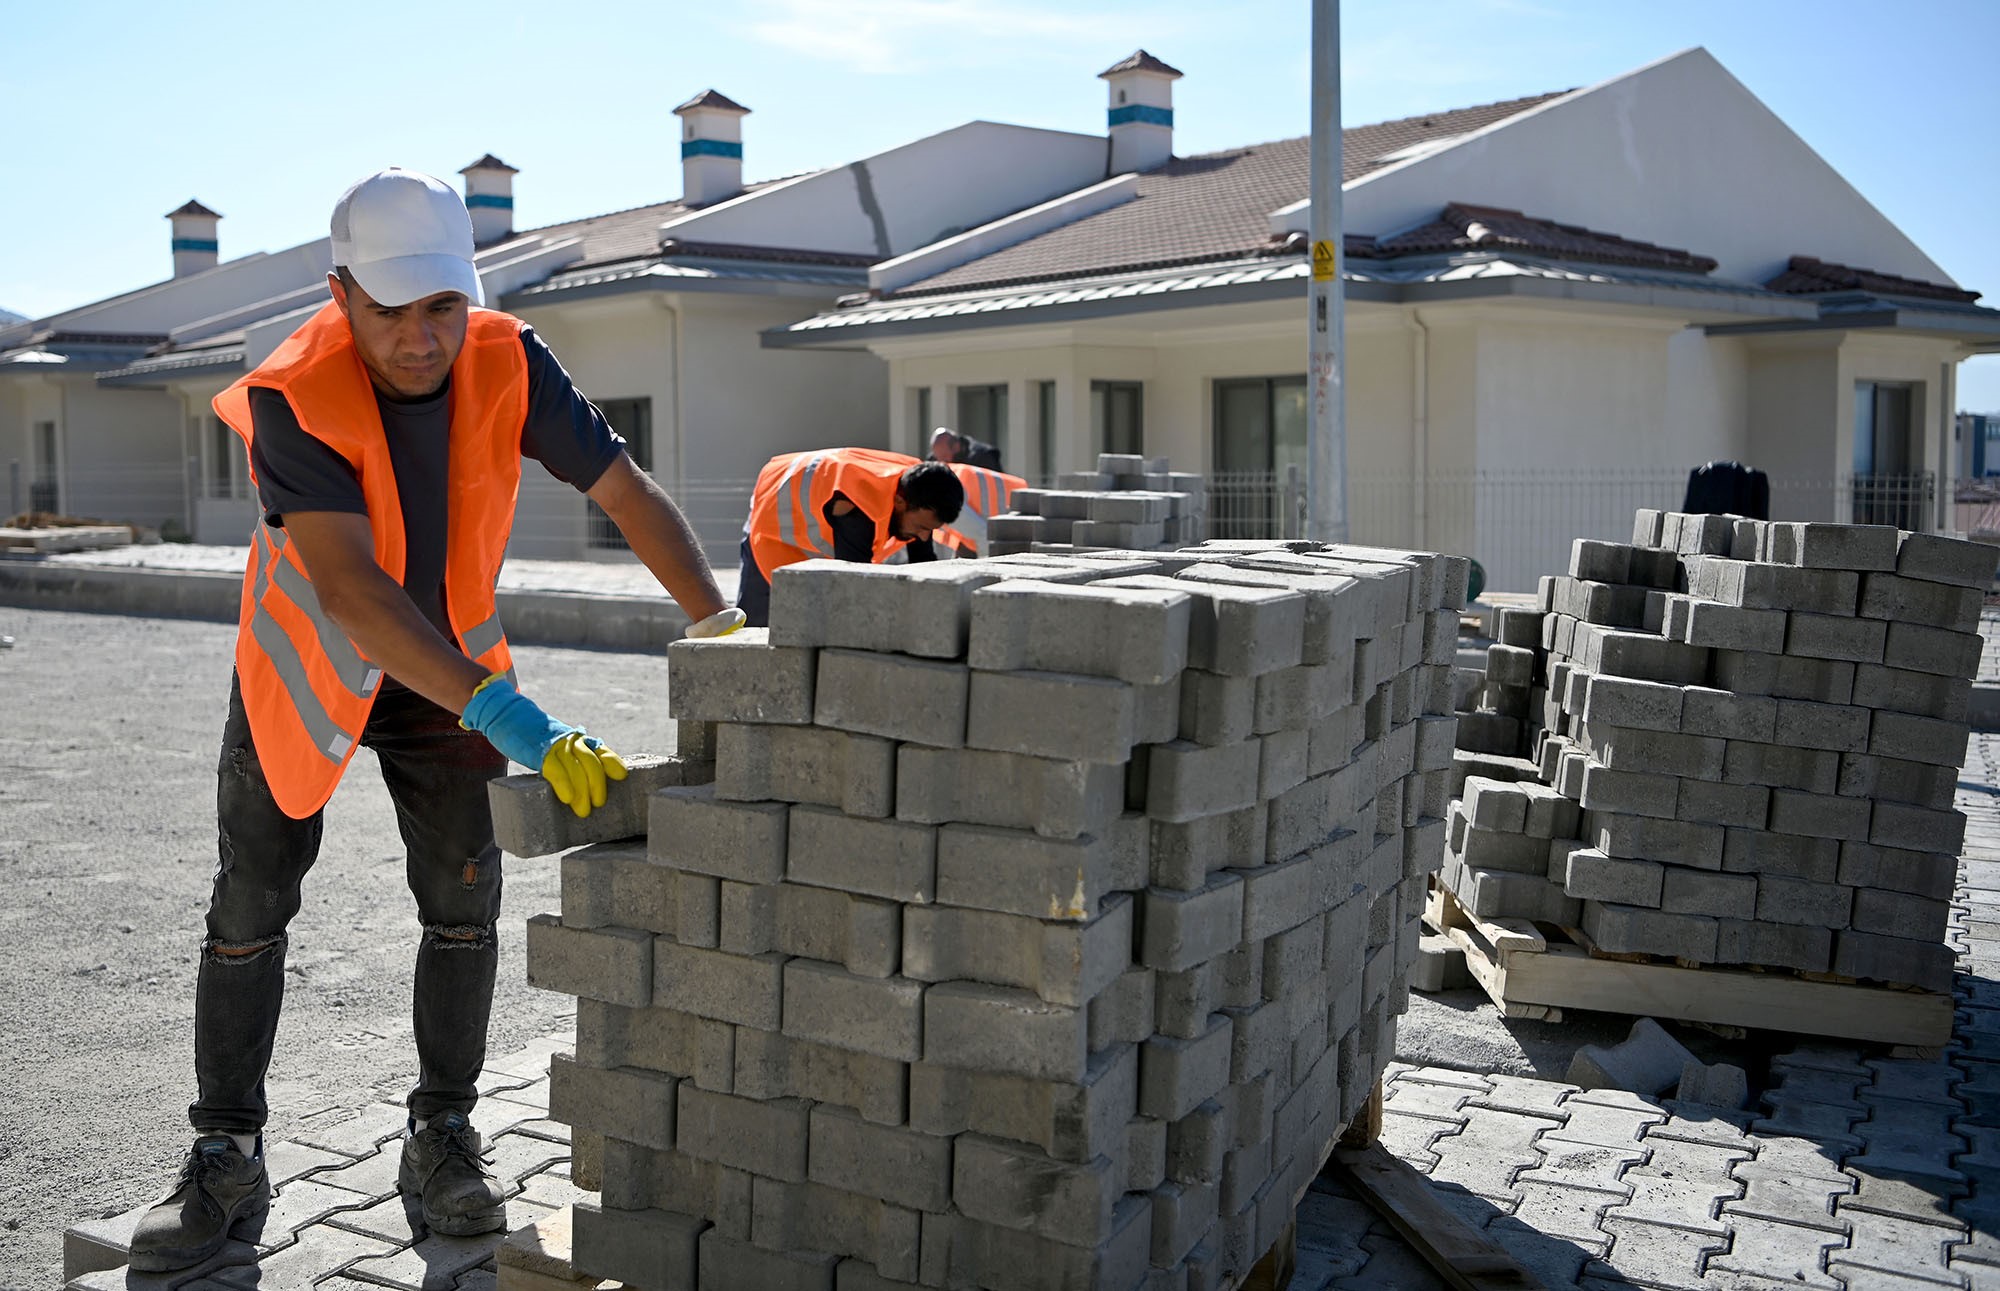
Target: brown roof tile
1806, 276
1462, 226
192, 207
1214, 206
711, 99
1140, 61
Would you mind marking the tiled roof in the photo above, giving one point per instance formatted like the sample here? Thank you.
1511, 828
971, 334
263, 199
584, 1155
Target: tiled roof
1140, 61
620, 235
1806, 276
1213, 206
710, 99
193, 207
490, 162
1465, 227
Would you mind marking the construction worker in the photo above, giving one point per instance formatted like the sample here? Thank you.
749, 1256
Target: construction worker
859, 504
950, 447
987, 494
385, 437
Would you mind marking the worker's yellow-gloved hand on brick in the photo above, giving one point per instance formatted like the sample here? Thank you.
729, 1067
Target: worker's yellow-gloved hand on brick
719, 624
577, 768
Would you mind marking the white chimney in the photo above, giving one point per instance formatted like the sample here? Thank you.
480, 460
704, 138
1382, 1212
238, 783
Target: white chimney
194, 238
489, 199
1141, 117
711, 148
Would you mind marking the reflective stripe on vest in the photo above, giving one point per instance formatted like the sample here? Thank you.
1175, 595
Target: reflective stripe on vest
481, 637
357, 674
796, 492
327, 736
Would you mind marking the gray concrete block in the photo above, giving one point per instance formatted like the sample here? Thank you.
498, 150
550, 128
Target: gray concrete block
810, 1217
1624, 929
1920, 693
1641, 656
1186, 780
1661, 752
1496, 805
740, 678
1281, 762
892, 859
609, 884
1935, 650
1134, 634
1835, 636
1063, 963
1637, 793
1794, 856
1646, 527
770, 1065
1781, 766
1590, 875
863, 934
1184, 853
808, 764
529, 820
1009, 790
1836, 546
1804, 724
638, 1247
1702, 892
1917, 739
920, 700
1647, 1061
691, 830
1517, 853
1726, 715
1292, 698
1330, 617
746, 918
1916, 829
1440, 966
1898, 914
1018, 872
1818, 815
1721, 1085
1935, 559
1215, 709
1909, 600
1629, 702
1925, 963
959, 1251
921, 609
1123, 1011
1286, 893
1499, 894
624, 1102
1234, 630
697, 909
610, 964
1602, 562
1176, 1076
1803, 902
715, 984
1067, 716
1745, 941
1648, 838
826, 1004
901, 1166
761, 1136
1928, 874
728, 1265
997, 1029
1179, 930
1015, 1186
1697, 622
1070, 1119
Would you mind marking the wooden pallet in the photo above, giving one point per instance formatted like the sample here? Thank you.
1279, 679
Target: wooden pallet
1532, 975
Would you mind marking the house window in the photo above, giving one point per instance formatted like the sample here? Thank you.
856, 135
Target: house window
1260, 433
1045, 428
1117, 416
43, 494
1888, 488
982, 414
632, 419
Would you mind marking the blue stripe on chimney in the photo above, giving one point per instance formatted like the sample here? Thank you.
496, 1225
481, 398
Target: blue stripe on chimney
194, 244
710, 148
497, 200
1143, 113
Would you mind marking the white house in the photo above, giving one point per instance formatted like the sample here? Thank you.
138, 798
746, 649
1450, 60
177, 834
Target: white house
1557, 306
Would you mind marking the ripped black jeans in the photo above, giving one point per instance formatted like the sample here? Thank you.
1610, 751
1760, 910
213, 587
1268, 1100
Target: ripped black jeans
436, 773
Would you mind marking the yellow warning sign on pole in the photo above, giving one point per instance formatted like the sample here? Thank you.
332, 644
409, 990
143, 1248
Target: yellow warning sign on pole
1322, 261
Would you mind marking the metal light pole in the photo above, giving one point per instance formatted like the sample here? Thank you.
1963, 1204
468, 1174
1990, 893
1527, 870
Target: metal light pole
1326, 437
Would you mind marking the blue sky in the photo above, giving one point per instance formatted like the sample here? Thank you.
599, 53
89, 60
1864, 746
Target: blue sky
122, 111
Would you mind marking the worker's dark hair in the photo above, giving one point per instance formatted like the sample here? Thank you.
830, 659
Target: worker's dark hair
930, 486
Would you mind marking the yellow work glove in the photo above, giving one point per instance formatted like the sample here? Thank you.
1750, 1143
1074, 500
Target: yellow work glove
577, 768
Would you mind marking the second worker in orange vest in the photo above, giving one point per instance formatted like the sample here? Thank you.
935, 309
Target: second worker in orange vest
385, 437
858, 504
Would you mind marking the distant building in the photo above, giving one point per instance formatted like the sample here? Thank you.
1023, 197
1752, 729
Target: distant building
1976, 435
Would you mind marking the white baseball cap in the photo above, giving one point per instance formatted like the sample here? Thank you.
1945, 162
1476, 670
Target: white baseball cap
405, 236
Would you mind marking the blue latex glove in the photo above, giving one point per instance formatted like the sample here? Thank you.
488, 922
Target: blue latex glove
575, 765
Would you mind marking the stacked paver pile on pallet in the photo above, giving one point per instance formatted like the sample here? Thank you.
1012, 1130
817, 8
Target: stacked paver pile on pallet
1129, 503
1751, 738
1045, 920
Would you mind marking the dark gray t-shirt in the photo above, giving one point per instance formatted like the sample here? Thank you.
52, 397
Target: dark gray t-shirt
295, 472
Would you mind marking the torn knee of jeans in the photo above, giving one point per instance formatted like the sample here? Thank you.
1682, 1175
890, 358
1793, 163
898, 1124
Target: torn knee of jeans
239, 951
459, 936
242, 759
469, 876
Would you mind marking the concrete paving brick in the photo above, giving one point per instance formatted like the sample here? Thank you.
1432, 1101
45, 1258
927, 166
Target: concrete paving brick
1909, 1139
610, 964
761, 1136
1634, 792
1484, 1157
626, 1102
1017, 872
740, 678
773, 1066
1216, 710
1781, 767
921, 609
1819, 815
1880, 1244
1063, 963
1947, 698
891, 859
738, 1266
826, 1004
1607, 1117
1910, 1197
1893, 959
808, 1217
1842, 728
529, 820
690, 829
1294, 698
1067, 716
1184, 853
1907, 600
808, 764
1649, 838
1827, 1124
1329, 628
1894, 780
1071, 1120
960, 1251
1917, 739
1630, 703
1632, 930
1794, 856
1235, 630
1185, 781
900, 1166
1778, 1252
747, 918
1133, 634
1835, 636
920, 700
1647, 1061
1696, 622
1778, 1195
1176, 1076
1937, 559
1008, 790
996, 1029
1498, 894
863, 934
617, 884
1744, 941
1916, 829
1586, 1167
1898, 914
1281, 895
1123, 1011
1723, 714
1591, 875
1145, 1154
1682, 1185
1180, 930
1014, 1186
697, 909
1281, 762
1934, 650
1700, 892
1733, 806
745, 990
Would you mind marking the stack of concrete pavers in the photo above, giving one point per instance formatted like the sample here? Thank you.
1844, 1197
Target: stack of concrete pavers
1499, 699
1044, 922
1129, 503
1762, 724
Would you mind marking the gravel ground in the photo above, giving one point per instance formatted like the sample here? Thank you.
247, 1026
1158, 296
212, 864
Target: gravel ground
109, 730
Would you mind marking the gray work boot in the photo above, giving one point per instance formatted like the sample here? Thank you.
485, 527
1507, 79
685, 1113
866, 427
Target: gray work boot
443, 1165
218, 1188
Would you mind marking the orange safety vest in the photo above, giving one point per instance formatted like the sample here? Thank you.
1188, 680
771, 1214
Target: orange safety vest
787, 521
306, 687
988, 493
